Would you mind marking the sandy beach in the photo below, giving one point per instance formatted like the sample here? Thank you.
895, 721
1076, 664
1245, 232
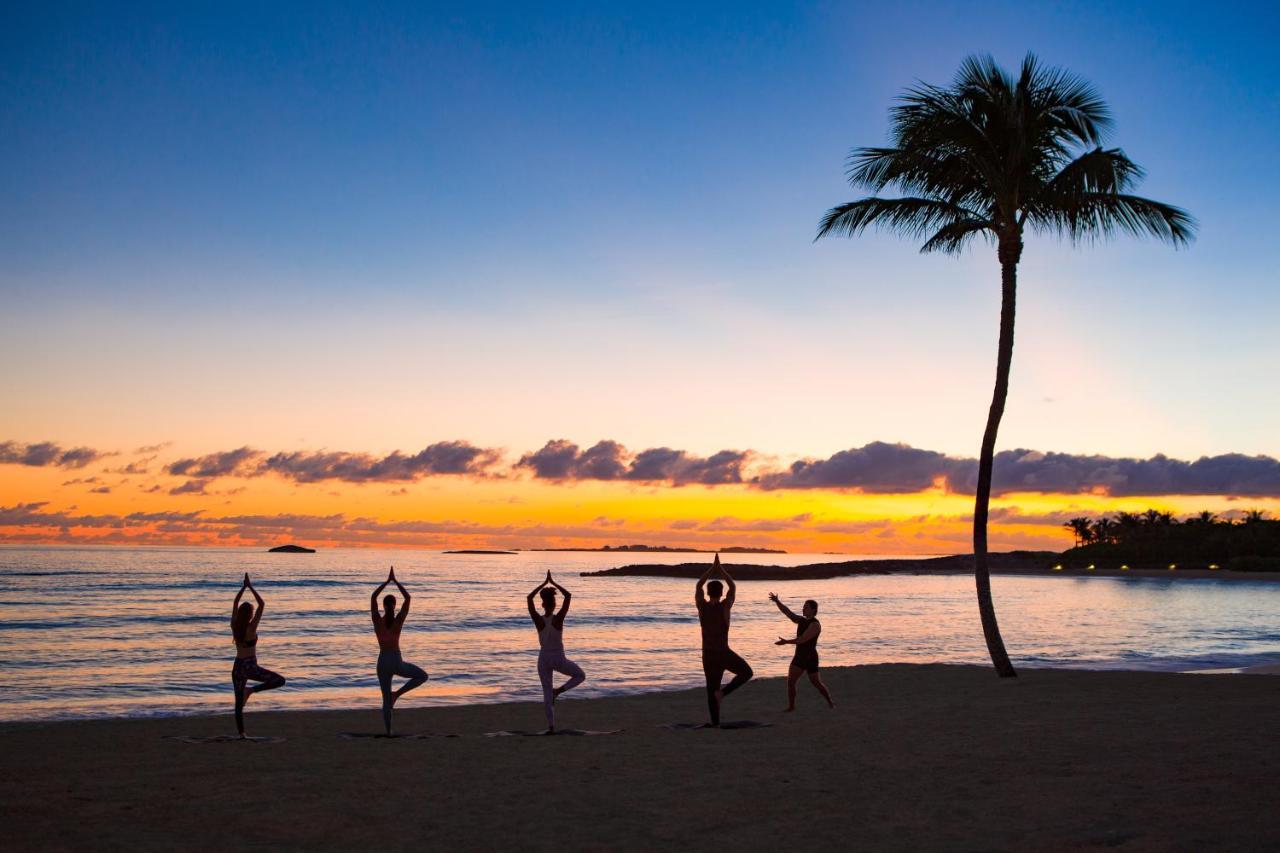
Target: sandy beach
914, 757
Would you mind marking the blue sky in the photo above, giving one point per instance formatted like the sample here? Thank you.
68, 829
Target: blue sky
434, 219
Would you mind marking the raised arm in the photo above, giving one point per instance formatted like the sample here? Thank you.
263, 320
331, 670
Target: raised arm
235, 605
731, 594
566, 597
810, 633
404, 594
533, 611
786, 611
373, 599
699, 596
262, 605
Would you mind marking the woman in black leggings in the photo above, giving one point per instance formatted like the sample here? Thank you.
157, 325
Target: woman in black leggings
244, 629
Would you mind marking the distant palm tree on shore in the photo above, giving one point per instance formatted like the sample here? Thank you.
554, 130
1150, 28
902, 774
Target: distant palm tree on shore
990, 156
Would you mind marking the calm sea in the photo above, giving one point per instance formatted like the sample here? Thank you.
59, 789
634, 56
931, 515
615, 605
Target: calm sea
112, 631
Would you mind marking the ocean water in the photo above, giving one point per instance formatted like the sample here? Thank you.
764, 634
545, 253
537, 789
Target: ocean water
89, 632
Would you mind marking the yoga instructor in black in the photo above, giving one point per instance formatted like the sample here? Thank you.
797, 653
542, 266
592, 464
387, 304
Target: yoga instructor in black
717, 657
806, 642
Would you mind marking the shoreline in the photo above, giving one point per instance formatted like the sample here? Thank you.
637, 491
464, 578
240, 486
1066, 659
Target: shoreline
910, 759
205, 714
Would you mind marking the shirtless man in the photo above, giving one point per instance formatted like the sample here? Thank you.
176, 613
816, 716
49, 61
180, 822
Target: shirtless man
717, 657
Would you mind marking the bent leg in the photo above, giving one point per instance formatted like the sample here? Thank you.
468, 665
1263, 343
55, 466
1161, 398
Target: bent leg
741, 670
416, 675
270, 680
564, 666
816, 680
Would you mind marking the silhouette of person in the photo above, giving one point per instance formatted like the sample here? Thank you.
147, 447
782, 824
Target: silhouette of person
244, 630
551, 657
387, 626
717, 657
806, 642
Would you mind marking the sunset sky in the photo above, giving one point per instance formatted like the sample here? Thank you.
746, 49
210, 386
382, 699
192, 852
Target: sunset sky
491, 276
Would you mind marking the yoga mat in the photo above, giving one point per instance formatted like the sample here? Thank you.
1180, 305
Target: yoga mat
731, 724
380, 736
545, 733
222, 739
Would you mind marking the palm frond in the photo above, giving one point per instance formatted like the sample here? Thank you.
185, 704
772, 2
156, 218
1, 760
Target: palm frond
952, 237
1099, 170
912, 217
1094, 215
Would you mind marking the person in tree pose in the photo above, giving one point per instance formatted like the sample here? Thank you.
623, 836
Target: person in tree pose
717, 657
387, 626
551, 657
806, 642
244, 630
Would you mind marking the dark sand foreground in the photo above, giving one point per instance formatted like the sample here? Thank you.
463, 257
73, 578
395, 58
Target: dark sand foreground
915, 758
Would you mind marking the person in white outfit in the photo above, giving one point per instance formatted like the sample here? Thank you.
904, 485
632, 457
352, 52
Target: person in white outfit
551, 659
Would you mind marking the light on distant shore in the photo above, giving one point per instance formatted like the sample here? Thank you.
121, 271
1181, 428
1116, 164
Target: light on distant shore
1091, 567
1213, 567
1124, 568
1173, 566
1058, 568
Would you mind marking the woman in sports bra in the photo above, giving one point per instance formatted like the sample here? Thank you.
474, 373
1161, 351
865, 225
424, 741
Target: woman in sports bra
805, 659
386, 626
244, 630
551, 658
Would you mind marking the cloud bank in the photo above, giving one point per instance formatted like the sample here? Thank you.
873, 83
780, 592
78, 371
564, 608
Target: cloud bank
445, 457
562, 460
875, 468
47, 453
883, 468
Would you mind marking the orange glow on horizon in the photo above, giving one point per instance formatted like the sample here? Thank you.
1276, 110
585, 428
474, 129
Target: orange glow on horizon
50, 506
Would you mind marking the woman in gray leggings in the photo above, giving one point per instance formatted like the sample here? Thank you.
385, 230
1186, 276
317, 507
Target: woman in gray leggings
386, 626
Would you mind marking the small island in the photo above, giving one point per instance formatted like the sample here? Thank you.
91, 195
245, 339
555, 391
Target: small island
290, 549
475, 551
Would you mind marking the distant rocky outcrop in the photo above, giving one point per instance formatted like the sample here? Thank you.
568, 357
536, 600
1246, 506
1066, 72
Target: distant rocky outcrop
477, 551
290, 549
1028, 562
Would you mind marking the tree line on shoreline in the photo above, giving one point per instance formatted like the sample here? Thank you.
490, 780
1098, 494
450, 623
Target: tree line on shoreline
1249, 543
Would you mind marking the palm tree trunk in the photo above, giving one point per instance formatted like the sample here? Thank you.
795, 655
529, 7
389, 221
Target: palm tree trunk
1010, 252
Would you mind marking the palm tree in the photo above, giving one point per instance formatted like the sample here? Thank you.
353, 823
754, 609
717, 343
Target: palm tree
992, 155
1082, 528
1103, 530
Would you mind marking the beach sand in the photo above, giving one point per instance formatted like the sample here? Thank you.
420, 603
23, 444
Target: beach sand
914, 758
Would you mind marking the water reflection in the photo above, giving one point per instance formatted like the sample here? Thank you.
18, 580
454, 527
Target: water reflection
86, 632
